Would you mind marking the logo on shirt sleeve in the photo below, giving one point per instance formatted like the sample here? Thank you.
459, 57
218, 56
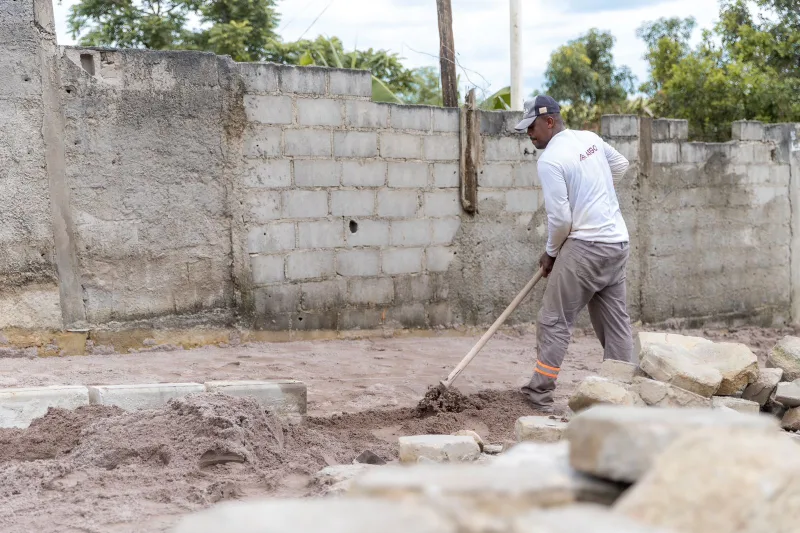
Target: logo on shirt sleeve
589, 153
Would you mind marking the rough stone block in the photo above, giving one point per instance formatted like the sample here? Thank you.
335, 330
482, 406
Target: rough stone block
20, 407
303, 80
762, 390
407, 117
402, 261
266, 269
675, 365
371, 291
737, 364
319, 112
445, 229
310, 264
141, 396
647, 338
582, 518
401, 146
446, 120
346, 82
259, 77
394, 204
358, 263
355, 144
502, 149
275, 237
352, 203
523, 201
268, 109
791, 420
737, 404
286, 396
368, 233
414, 175
441, 148
305, 204
410, 233
659, 394
311, 173
621, 443
621, 371
439, 258
320, 234
619, 125
264, 206
751, 481
260, 141
442, 203
497, 175
334, 515
445, 175
539, 428
666, 153
313, 143
372, 115
747, 130
363, 173
526, 175
439, 448
596, 390
276, 173
788, 393
786, 356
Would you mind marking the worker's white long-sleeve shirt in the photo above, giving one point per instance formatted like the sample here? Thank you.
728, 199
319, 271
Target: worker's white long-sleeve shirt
577, 171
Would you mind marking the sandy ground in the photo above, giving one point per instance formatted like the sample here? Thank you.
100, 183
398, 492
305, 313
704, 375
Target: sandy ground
102, 470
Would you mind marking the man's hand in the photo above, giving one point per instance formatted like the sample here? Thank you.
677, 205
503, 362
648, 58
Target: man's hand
547, 262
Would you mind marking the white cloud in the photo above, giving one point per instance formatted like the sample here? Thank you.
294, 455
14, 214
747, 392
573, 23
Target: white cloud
409, 27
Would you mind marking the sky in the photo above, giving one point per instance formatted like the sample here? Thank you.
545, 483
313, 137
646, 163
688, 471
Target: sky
481, 30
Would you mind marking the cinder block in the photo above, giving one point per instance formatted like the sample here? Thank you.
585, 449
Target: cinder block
408, 175
445, 229
523, 201
441, 314
310, 264
368, 233
305, 204
316, 173
496, 176
666, 153
628, 148
20, 407
323, 295
660, 130
407, 117
275, 237
402, 261
275, 173
303, 80
502, 149
412, 289
360, 114
438, 258
260, 141
743, 153
619, 125
319, 112
346, 82
274, 299
679, 129
315, 143
438, 148
694, 152
352, 203
401, 146
446, 120
411, 233
499, 122
763, 153
442, 203
360, 319
370, 290
285, 396
259, 77
320, 234
140, 395
268, 109
526, 175
445, 175
266, 269
355, 144
264, 205
747, 130
408, 316
779, 175
358, 262
398, 204
363, 173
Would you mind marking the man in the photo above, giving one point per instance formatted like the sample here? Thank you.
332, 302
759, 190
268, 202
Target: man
587, 244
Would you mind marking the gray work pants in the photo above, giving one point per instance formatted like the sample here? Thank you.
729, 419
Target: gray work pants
584, 273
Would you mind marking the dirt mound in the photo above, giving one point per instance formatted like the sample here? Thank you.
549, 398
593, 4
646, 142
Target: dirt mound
439, 400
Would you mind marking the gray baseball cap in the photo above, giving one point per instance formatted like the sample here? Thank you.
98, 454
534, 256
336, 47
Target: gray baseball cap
541, 105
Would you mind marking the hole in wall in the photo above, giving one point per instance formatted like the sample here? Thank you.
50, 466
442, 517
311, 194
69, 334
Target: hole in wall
26, 78
87, 63
300, 318
353, 226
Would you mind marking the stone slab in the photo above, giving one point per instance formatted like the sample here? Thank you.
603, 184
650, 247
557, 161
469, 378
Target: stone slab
645, 338
581, 518
786, 356
737, 404
281, 396
539, 428
596, 390
735, 361
763, 389
439, 448
788, 394
675, 365
660, 394
621, 371
621, 443
791, 420
19, 407
141, 395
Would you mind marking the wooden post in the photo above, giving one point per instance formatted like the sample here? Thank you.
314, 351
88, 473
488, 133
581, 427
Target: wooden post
470, 153
447, 54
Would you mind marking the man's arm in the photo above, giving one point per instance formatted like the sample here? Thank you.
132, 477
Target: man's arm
619, 165
556, 203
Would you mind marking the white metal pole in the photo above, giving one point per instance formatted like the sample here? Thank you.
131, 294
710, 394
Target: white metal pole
517, 98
